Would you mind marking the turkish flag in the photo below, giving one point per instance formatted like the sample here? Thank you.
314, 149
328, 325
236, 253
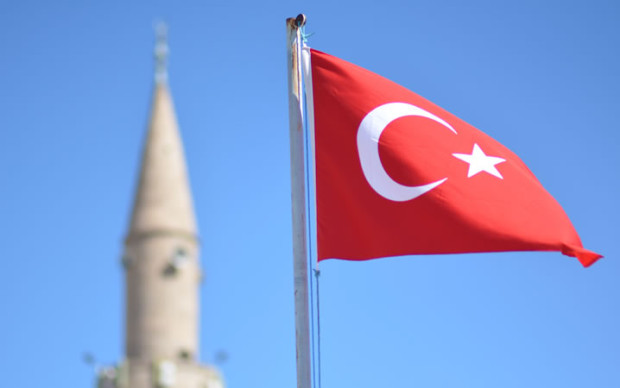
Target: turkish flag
398, 175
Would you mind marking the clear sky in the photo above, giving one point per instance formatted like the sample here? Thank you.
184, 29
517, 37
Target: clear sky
75, 85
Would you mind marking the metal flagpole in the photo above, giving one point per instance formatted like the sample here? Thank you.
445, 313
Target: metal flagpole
298, 200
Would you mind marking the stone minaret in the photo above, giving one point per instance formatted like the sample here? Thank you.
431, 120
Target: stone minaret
161, 261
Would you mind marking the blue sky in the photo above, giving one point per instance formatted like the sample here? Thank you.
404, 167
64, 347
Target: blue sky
76, 77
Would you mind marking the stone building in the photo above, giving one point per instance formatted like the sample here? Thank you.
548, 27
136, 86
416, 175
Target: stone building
161, 262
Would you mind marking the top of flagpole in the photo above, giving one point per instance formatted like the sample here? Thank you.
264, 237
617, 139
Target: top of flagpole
297, 22
300, 20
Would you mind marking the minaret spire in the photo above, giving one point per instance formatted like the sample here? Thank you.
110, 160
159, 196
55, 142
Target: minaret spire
161, 53
162, 266
162, 260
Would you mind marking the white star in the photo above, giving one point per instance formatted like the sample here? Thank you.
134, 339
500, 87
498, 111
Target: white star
479, 162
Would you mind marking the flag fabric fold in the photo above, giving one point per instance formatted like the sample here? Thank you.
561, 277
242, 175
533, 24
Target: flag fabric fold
397, 175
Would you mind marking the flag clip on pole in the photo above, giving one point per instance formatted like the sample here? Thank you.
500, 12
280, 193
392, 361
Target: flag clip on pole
298, 200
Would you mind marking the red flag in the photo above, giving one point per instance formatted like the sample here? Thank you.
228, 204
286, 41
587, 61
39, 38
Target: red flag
398, 175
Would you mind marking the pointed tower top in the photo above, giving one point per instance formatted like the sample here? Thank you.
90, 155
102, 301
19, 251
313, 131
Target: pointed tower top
161, 52
163, 201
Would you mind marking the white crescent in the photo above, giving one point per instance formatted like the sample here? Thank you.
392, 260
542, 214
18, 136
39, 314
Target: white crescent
368, 135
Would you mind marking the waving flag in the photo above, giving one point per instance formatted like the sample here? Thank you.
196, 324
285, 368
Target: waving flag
398, 175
